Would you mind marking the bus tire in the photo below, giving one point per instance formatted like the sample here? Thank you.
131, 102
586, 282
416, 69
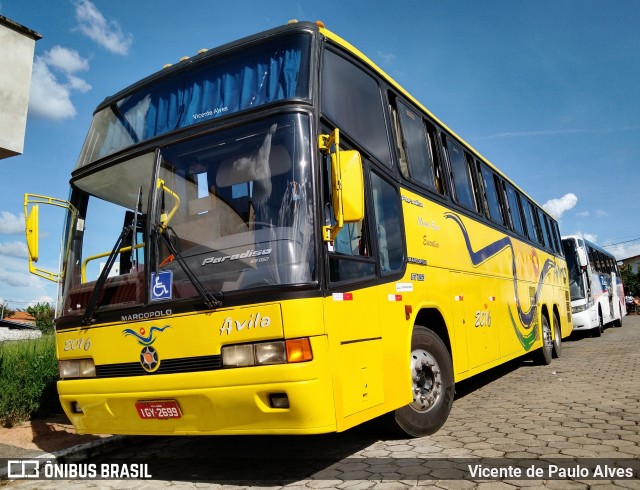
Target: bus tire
432, 384
557, 336
597, 332
544, 354
618, 323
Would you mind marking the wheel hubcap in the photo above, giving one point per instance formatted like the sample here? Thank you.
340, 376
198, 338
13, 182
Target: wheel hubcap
548, 341
426, 379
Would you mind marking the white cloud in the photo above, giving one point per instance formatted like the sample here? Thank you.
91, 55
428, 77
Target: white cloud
557, 207
583, 214
51, 98
600, 213
107, 34
625, 251
10, 224
41, 299
65, 60
15, 280
13, 249
387, 57
78, 84
587, 236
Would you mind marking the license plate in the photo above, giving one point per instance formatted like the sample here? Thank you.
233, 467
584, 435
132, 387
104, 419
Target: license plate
159, 409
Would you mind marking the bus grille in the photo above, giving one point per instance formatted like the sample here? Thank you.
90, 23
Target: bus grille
167, 366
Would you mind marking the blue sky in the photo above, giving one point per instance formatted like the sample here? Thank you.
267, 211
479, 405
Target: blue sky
548, 90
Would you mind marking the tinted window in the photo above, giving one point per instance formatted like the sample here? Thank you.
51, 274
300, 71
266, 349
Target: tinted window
549, 230
491, 194
461, 175
542, 228
513, 200
352, 99
388, 226
532, 232
416, 146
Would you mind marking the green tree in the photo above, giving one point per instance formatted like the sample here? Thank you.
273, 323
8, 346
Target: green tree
630, 279
44, 314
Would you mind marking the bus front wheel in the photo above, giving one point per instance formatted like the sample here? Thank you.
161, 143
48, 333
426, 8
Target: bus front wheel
431, 383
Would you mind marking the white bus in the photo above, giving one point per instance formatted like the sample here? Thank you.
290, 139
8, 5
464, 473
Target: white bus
597, 294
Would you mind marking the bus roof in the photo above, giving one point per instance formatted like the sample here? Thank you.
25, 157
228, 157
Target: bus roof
588, 242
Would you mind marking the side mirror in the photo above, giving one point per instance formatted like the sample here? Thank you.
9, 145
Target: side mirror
347, 184
31, 222
32, 234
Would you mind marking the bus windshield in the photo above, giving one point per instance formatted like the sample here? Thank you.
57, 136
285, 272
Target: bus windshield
236, 207
576, 278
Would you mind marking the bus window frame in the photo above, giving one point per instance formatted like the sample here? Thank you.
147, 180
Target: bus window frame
407, 167
355, 63
446, 139
506, 187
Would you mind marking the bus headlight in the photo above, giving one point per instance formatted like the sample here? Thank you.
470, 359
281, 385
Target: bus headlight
264, 353
271, 353
77, 368
578, 309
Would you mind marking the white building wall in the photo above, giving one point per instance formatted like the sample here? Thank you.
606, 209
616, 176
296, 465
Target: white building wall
17, 45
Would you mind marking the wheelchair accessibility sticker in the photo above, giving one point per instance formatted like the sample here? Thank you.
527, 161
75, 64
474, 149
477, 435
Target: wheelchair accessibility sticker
161, 283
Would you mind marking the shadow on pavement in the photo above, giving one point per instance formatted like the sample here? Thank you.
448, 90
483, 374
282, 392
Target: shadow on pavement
254, 460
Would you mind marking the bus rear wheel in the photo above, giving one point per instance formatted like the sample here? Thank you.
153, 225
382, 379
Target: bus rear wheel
618, 323
432, 385
545, 353
557, 336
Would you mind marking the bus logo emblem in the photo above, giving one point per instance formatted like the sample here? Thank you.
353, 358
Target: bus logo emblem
149, 359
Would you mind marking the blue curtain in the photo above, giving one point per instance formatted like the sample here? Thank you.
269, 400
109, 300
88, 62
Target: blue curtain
212, 91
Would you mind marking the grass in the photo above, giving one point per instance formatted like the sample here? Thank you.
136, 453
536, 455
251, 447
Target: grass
28, 375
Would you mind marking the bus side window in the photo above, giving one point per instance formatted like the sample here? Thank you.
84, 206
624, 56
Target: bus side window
592, 257
515, 213
556, 233
388, 226
540, 226
532, 231
547, 227
352, 99
416, 146
461, 175
493, 203
402, 155
436, 159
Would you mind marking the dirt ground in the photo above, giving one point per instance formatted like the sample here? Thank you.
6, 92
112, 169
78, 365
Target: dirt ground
48, 435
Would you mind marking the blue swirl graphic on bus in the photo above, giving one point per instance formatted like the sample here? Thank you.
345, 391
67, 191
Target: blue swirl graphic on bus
528, 318
149, 339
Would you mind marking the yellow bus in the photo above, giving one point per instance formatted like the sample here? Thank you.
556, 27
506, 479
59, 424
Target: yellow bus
273, 237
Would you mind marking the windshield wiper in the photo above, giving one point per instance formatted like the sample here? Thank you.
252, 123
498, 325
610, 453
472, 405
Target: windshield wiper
210, 299
87, 318
161, 229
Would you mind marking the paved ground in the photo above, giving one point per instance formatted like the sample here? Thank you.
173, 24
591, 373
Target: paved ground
577, 416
